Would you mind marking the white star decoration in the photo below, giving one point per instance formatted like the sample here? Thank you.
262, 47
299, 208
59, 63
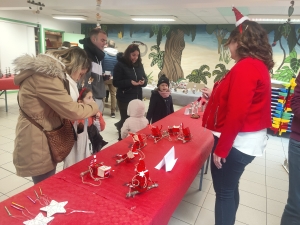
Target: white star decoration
55, 207
142, 174
39, 220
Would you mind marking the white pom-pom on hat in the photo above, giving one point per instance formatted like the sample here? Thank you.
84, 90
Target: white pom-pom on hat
240, 18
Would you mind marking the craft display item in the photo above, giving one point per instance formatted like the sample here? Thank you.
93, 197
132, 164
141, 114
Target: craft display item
131, 154
184, 134
157, 134
140, 140
141, 181
97, 171
174, 130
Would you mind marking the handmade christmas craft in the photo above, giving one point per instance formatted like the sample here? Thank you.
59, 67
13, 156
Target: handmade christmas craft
139, 140
131, 154
157, 134
39, 220
184, 134
54, 207
97, 171
22, 209
141, 182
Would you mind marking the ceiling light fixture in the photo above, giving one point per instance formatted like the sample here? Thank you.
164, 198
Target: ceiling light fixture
69, 17
154, 18
273, 18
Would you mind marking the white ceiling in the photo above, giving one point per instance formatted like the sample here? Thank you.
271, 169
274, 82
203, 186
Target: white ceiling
187, 11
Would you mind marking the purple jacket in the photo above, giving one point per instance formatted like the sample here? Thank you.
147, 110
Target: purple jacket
295, 105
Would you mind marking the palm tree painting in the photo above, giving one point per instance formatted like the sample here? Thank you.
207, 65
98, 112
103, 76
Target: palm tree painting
157, 57
219, 73
199, 75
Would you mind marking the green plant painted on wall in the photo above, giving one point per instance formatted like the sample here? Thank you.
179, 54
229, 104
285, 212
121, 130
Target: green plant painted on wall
150, 77
286, 72
220, 72
157, 58
199, 75
220, 31
225, 54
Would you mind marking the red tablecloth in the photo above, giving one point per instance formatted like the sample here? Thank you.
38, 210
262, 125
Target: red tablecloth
108, 200
8, 83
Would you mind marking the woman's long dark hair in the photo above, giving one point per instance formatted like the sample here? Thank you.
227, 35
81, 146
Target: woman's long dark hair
130, 49
252, 42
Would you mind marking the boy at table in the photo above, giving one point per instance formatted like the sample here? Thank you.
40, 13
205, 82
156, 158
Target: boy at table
161, 104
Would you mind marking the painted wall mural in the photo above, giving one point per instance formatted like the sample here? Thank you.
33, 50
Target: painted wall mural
197, 52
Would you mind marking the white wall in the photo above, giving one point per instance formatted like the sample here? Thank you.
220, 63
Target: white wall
18, 38
15, 40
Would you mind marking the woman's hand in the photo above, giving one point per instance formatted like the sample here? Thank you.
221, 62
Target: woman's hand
206, 93
217, 161
98, 115
141, 82
134, 83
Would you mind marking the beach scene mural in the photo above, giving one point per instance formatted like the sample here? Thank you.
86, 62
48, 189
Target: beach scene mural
197, 53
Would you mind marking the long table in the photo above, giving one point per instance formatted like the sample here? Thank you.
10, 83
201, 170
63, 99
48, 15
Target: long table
108, 201
7, 83
179, 98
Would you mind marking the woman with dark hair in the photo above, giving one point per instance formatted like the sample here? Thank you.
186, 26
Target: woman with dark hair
238, 114
129, 78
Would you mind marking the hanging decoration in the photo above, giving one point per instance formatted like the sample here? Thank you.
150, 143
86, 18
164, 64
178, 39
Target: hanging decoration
39, 220
54, 207
98, 15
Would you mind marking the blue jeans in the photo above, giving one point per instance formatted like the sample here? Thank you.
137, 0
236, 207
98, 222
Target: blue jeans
226, 181
291, 214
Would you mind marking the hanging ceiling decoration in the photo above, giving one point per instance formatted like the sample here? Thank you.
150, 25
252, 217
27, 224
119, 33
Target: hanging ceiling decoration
98, 16
39, 6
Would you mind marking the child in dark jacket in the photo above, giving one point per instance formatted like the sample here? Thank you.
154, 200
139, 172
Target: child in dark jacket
161, 103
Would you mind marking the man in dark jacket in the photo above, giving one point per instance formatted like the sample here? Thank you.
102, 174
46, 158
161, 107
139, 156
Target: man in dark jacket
291, 214
108, 65
94, 46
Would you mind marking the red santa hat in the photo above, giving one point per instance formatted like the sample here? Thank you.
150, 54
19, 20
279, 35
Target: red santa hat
240, 18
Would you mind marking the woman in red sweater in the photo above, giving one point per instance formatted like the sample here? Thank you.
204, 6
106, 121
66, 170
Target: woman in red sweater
238, 113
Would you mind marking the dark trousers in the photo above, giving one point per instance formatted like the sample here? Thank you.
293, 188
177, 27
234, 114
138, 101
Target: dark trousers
39, 178
226, 181
291, 214
123, 113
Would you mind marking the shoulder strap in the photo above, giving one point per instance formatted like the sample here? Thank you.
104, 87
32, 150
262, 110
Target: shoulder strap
30, 119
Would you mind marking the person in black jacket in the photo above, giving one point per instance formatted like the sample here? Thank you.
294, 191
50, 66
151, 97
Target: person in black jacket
161, 103
94, 47
129, 78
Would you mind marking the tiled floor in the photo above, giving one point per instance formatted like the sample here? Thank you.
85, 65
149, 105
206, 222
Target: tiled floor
263, 186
